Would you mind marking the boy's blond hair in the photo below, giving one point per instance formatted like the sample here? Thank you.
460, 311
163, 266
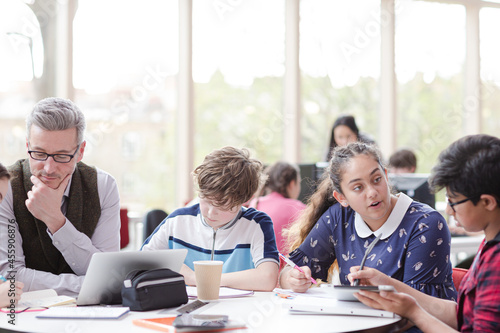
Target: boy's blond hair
228, 177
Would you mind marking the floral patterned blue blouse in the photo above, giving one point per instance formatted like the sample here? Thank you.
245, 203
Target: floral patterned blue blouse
414, 247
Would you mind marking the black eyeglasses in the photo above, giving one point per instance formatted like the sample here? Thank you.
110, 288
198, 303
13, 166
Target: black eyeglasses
59, 158
452, 204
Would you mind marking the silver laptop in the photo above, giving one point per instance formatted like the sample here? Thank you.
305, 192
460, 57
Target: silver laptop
107, 270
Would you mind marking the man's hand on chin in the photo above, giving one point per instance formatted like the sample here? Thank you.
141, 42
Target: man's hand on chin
45, 203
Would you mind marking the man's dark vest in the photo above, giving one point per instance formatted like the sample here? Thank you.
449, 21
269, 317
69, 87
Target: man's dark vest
83, 211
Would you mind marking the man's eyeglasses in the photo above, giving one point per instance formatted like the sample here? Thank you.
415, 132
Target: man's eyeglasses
453, 204
59, 158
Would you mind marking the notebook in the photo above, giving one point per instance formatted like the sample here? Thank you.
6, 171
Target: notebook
107, 270
85, 312
163, 324
40, 300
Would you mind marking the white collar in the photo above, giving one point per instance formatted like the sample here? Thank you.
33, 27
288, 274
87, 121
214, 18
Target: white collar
390, 225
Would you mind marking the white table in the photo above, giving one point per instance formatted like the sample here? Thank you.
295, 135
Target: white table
261, 312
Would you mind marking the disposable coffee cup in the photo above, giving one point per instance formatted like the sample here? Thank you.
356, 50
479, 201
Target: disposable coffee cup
208, 274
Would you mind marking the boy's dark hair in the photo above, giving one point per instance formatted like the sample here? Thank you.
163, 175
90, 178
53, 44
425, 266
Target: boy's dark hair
4, 174
228, 177
469, 166
403, 158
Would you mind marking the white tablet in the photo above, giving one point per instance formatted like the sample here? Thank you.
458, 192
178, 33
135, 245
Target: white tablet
107, 270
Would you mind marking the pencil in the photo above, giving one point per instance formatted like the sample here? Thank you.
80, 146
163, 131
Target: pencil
291, 263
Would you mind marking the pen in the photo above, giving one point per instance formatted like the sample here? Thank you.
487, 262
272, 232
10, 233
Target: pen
291, 263
368, 250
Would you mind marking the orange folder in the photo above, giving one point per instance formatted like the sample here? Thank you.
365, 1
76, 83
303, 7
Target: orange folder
164, 324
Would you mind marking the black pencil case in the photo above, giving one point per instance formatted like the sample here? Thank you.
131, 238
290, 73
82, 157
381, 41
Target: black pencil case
154, 289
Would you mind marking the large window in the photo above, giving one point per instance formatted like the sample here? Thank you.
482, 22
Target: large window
21, 61
125, 67
126, 63
340, 64
238, 67
430, 56
490, 70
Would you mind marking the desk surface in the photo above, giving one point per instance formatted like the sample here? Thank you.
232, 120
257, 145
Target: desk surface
261, 312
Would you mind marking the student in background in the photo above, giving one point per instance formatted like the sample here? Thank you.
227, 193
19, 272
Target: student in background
344, 131
220, 228
278, 198
468, 169
351, 207
5, 293
403, 161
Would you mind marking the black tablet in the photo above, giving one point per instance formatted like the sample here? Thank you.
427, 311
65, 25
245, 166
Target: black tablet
187, 320
346, 293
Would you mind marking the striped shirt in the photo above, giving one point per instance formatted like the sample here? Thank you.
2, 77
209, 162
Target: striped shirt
243, 243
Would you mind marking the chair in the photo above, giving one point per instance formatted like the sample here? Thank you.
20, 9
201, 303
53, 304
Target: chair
124, 235
152, 219
458, 274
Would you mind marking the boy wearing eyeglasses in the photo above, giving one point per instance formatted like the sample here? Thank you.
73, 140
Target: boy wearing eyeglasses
58, 211
469, 170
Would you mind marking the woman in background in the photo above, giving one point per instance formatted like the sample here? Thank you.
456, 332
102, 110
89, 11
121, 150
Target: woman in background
344, 131
278, 198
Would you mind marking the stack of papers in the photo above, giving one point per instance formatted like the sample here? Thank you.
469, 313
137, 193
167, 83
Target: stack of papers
40, 300
224, 292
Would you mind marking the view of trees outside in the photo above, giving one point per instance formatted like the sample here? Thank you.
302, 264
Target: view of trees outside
17, 70
430, 58
322, 104
429, 117
340, 64
20, 63
125, 75
238, 68
491, 112
248, 117
490, 69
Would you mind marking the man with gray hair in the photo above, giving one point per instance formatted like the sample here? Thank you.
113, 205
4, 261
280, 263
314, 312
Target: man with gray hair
58, 210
